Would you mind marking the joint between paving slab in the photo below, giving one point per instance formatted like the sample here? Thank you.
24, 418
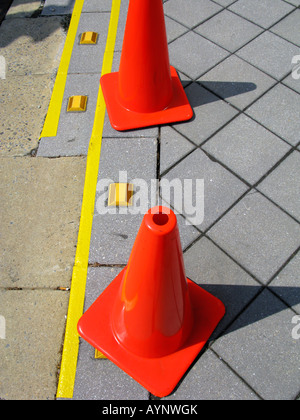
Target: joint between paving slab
236, 373
204, 235
277, 205
260, 283
158, 175
239, 113
97, 264
232, 53
250, 302
192, 29
283, 266
289, 259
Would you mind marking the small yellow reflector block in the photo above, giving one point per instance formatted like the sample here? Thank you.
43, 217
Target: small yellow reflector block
89, 38
120, 194
77, 103
99, 355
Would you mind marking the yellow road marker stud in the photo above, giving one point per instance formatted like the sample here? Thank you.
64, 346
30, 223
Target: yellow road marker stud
120, 194
89, 38
77, 103
99, 355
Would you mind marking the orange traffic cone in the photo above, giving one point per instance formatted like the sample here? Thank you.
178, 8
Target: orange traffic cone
146, 91
151, 321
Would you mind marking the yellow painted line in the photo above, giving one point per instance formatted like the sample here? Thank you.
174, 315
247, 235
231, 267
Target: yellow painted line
77, 293
52, 118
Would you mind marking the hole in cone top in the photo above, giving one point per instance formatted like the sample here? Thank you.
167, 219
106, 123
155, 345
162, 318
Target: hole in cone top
160, 219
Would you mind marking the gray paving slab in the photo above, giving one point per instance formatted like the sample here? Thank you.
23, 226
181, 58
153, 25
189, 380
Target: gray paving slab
210, 114
79, 125
286, 284
98, 279
31, 350
210, 379
187, 232
263, 52
185, 80
97, 6
59, 146
116, 61
88, 58
173, 147
286, 27
258, 235
221, 188
237, 81
283, 186
121, 25
100, 379
247, 148
74, 128
174, 29
263, 12
279, 111
110, 132
194, 55
40, 213
208, 266
137, 156
26, 97
194, 12
228, 30
113, 235
58, 7
259, 346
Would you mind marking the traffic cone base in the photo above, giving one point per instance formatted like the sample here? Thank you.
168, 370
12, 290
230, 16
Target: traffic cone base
123, 119
159, 375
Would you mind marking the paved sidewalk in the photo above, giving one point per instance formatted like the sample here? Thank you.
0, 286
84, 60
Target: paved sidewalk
40, 208
239, 64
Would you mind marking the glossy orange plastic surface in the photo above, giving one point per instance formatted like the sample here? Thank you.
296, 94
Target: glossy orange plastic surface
146, 91
151, 320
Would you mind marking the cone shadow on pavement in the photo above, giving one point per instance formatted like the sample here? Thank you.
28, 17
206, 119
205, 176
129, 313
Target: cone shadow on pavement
223, 89
238, 298
152, 321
